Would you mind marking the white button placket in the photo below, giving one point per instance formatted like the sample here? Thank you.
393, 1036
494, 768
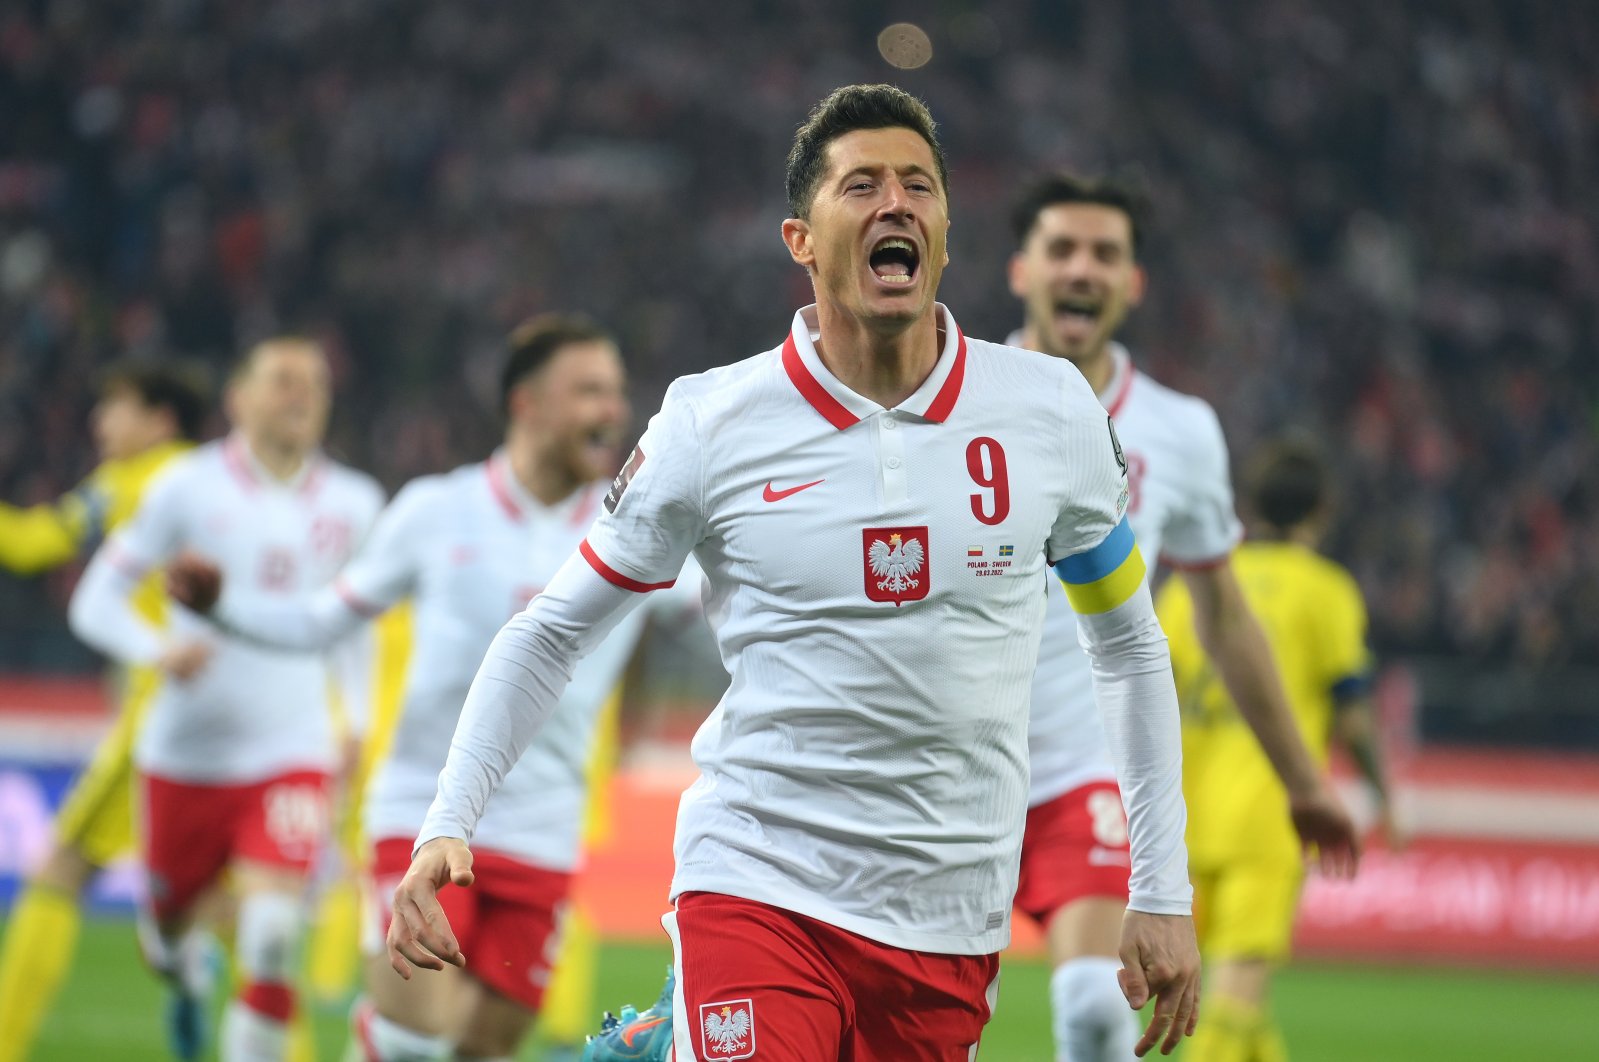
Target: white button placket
891, 453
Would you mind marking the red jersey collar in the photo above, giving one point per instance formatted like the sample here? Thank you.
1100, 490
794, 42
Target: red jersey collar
250, 473
1114, 396
933, 400
517, 502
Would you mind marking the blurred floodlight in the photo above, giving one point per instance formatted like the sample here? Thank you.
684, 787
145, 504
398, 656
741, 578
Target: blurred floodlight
905, 45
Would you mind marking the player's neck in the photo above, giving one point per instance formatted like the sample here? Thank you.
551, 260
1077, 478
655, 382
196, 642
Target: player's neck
1097, 367
282, 463
549, 481
884, 366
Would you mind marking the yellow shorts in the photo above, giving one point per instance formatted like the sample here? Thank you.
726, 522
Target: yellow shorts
1245, 910
96, 818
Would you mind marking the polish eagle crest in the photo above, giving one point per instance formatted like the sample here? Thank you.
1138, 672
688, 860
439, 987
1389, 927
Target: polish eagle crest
895, 563
727, 1029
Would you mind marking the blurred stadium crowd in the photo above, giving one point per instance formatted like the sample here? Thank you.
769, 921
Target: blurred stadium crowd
1373, 222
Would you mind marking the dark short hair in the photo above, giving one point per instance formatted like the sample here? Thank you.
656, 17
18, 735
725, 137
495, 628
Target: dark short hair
1288, 483
844, 111
1054, 189
178, 388
536, 340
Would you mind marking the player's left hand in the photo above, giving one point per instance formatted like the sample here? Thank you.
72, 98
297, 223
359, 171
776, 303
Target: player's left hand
1160, 958
419, 934
1325, 826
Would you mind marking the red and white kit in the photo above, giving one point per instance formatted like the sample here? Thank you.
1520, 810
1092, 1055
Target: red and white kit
1180, 506
873, 580
470, 547
252, 719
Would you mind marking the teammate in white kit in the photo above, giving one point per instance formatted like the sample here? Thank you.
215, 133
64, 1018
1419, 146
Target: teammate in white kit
238, 750
847, 859
1076, 271
471, 548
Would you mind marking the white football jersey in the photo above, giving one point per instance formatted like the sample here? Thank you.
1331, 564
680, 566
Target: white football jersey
250, 713
1180, 506
472, 547
873, 580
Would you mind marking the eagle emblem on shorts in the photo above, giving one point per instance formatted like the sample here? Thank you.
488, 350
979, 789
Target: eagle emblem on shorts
896, 563
727, 1029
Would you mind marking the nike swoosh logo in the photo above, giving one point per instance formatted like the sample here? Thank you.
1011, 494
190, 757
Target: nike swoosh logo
627, 1037
778, 495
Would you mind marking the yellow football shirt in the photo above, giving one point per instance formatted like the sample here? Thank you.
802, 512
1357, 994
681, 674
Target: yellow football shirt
42, 537
1315, 622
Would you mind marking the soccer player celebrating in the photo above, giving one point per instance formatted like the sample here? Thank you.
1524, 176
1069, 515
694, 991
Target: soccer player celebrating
147, 414
236, 753
1076, 271
847, 858
470, 548
1243, 856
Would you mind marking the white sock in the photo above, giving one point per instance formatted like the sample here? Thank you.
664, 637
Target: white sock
1092, 1020
384, 1040
250, 1036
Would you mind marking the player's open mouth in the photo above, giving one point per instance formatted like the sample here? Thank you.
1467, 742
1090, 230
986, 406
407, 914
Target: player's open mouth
1077, 311
894, 260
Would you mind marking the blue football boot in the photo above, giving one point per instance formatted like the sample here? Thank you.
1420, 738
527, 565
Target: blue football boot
636, 1036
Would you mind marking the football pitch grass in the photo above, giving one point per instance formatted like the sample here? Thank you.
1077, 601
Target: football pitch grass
112, 1009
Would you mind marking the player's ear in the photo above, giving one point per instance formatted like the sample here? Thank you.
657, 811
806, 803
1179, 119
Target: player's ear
797, 237
1015, 272
1135, 292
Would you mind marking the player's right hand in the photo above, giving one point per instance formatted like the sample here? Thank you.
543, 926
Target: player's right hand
419, 934
1160, 959
184, 660
1323, 824
193, 582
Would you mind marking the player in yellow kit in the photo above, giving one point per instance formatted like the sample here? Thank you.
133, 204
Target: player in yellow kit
147, 413
1244, 858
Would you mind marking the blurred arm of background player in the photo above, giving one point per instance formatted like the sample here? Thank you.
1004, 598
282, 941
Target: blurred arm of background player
1232, 638
41, 537
1355, 727
102, 614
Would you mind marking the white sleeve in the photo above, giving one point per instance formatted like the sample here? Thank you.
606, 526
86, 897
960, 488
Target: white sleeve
1096, 475
101, 612
1138, 706
383, 571
1205, 528
654, 513
527, 667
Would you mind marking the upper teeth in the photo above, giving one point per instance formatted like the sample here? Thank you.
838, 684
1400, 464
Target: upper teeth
904, 245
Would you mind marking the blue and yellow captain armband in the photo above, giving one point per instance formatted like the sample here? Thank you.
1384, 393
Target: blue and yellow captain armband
1099, 579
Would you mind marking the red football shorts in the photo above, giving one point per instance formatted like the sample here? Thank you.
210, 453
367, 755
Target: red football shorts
751, 975
193, 831
1075, 846
507, 921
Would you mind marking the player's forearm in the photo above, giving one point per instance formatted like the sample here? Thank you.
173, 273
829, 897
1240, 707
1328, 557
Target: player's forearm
1138, 705
1232, 638
517, 687
304, 624
1356, 728
34, 540
102, 615
350, 661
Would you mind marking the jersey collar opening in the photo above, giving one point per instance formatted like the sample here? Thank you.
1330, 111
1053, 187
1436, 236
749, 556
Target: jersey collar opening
841, 407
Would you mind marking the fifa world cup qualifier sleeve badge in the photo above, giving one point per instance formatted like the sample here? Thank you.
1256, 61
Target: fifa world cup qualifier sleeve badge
613, 497
1115, 445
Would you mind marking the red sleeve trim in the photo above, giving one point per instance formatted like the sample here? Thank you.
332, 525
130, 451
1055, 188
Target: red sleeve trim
357, 604
614, 577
